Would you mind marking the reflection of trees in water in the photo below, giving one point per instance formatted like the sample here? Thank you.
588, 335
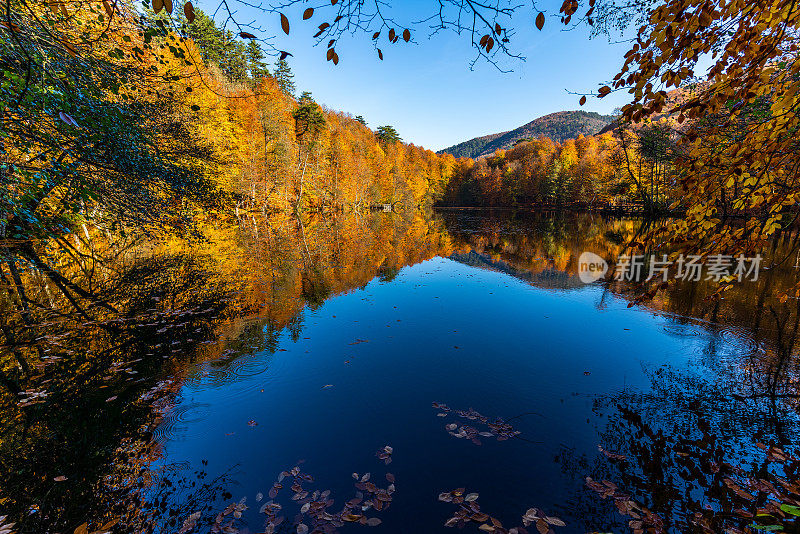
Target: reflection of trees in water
694, 429
92, 374
692, 462
81, 394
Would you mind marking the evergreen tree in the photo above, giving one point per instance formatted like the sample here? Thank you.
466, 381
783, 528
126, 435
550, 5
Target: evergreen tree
387, 134
308, 117
361, 119
207, 37
234, 58
283, 75
255, 61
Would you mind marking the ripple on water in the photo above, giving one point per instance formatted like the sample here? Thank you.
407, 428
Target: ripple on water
685, 330
737, 339
176, 419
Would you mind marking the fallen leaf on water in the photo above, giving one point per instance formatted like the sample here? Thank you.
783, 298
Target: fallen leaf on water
60, 478
326, 386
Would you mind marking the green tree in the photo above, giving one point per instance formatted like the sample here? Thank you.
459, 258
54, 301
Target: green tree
255, 61
234, 62
283, 75
207, 37
308, 118
387, 134
361, 119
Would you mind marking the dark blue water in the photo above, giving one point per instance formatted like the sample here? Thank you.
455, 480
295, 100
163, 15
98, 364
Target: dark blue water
367, 366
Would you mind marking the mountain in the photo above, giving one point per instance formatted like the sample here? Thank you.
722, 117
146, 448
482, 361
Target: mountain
558, 126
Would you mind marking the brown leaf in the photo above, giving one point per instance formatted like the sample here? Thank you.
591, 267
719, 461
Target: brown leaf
582, 100
168, 6
246, 35
284, 23
406, 35
158, 5
540, 21
308, 13
188, 10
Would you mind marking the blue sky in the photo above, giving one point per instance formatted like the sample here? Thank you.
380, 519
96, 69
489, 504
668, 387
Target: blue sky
426, 90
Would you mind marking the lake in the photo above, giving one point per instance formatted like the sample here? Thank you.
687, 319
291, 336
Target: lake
408, 367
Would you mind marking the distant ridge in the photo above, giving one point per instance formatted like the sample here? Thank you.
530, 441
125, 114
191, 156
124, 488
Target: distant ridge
558, 126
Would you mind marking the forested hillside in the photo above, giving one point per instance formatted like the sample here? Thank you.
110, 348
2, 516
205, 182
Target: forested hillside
282, 153
558, 126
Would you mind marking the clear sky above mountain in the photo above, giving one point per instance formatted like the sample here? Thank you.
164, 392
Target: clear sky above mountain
426, 88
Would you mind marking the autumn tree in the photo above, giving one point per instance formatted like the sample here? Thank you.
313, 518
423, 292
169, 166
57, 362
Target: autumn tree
737, 142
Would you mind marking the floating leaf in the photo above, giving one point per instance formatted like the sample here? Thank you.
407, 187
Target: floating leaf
789, 509
67, 118
555, 521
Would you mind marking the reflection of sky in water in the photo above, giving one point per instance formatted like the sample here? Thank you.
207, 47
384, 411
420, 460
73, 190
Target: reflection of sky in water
440, 331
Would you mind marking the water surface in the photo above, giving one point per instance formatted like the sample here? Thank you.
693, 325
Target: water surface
496, 322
